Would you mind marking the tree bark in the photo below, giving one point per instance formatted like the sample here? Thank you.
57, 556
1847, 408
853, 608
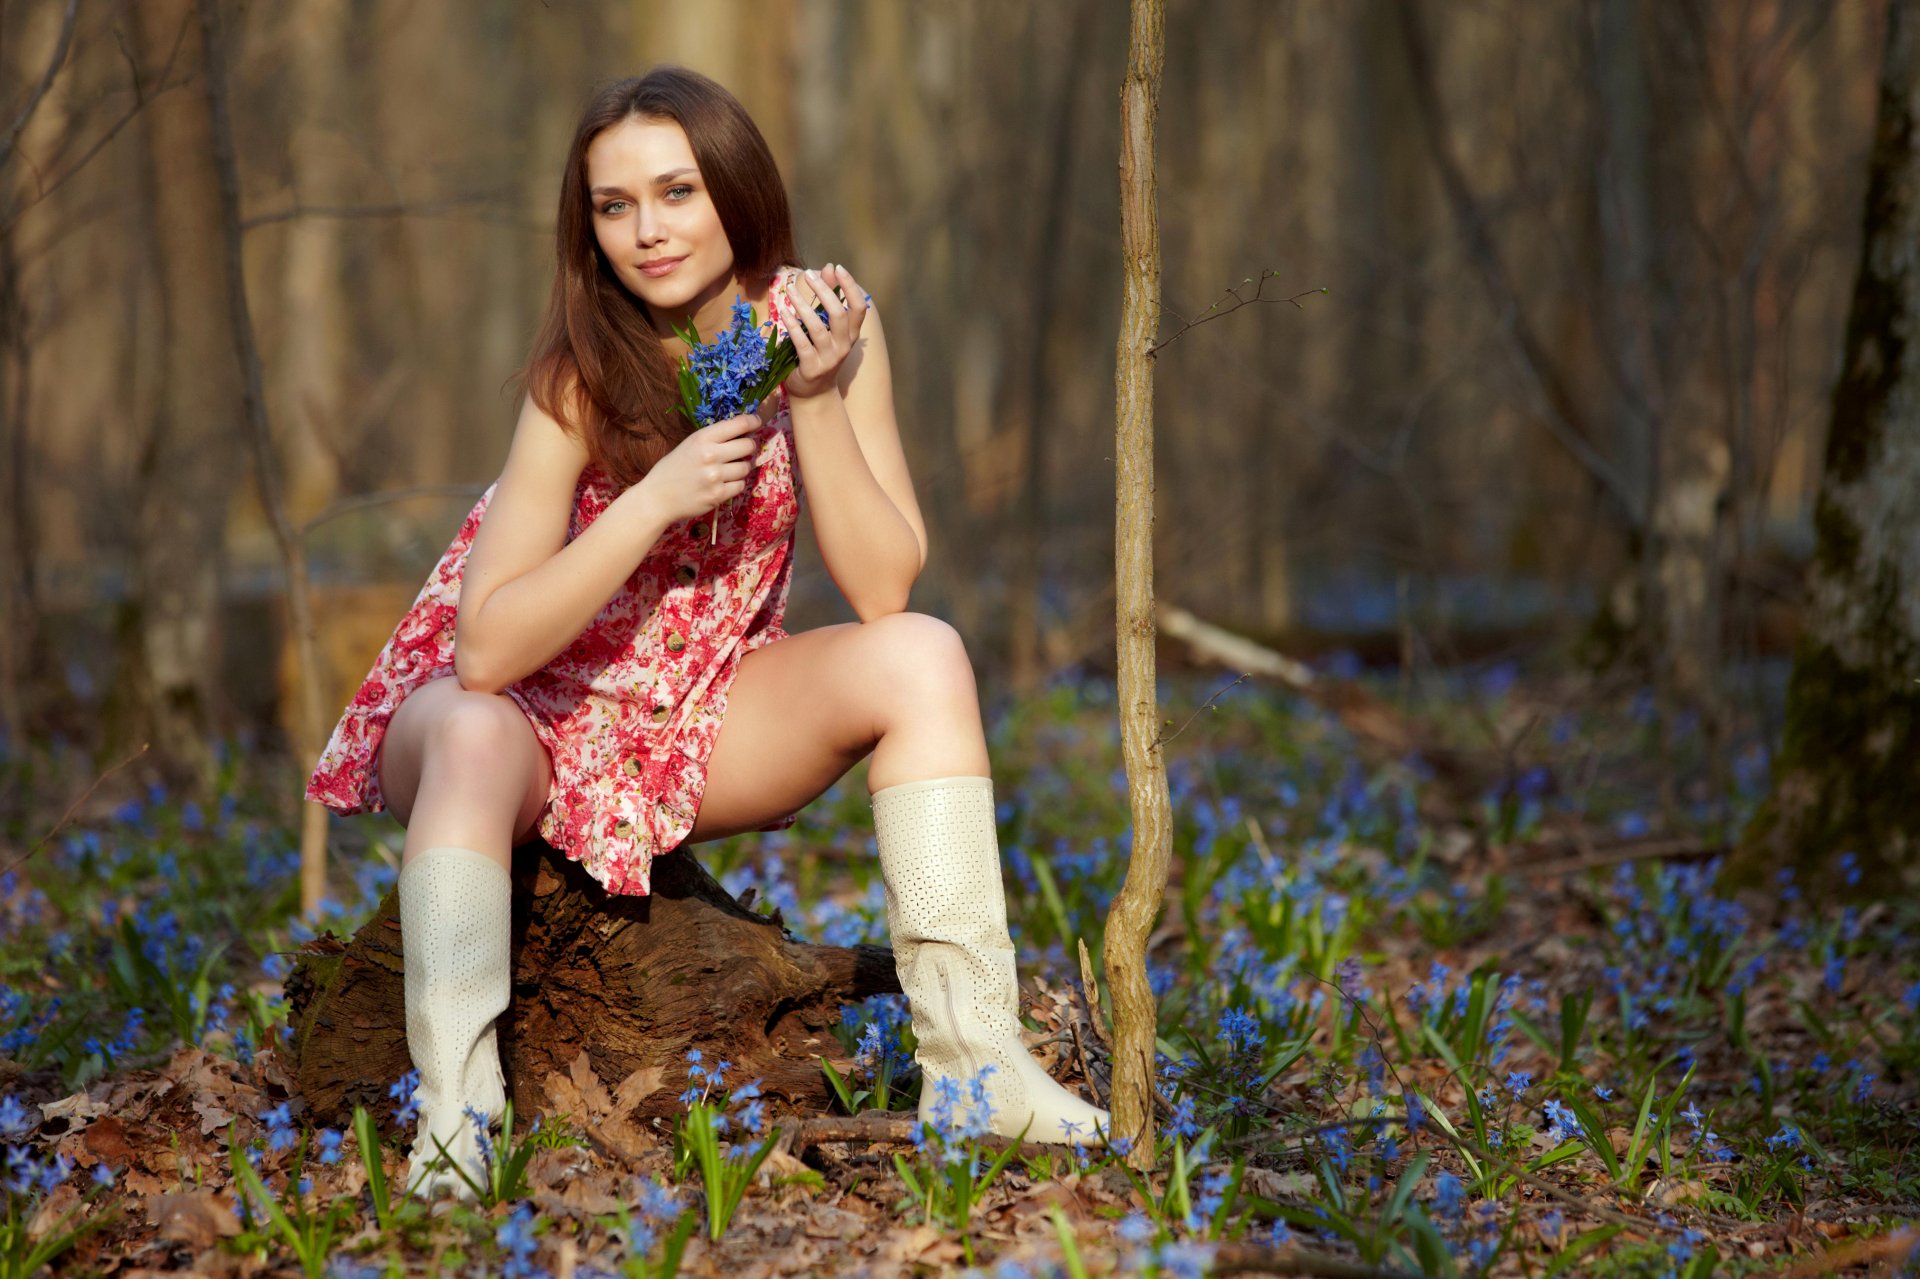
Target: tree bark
266, 470
1847, 776
167, 628
632, 981
1136, 907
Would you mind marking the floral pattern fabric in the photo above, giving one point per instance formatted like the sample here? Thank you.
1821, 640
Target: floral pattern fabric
630, 710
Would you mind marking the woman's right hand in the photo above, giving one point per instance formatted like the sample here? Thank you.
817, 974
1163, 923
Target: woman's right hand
710, 466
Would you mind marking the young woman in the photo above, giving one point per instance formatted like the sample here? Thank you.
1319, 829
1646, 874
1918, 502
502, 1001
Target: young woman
599, 657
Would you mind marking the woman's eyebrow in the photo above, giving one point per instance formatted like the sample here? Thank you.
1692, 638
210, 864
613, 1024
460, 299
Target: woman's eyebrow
615, 190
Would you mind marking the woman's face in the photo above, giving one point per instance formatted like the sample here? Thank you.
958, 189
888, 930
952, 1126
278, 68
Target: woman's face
649, 204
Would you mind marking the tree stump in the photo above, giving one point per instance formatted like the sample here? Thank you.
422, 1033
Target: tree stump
632, 981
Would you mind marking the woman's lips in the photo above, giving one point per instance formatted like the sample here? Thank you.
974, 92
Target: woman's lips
663, 268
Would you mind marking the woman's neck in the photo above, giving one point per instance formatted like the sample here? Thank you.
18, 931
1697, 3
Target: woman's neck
715, 315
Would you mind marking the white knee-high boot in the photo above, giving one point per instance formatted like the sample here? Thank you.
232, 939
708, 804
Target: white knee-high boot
456, 912
947, 913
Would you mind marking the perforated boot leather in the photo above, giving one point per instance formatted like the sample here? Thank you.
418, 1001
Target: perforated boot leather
947, 914
456, 913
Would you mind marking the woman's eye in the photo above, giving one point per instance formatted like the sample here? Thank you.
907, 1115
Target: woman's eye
682, 187
608, 206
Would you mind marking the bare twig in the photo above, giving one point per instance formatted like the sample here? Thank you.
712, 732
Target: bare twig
74, 807
1561, 411
141, 98
1637, 850
397, 209
1196, 710
348, 505
54, 64
1901, 1244
1238, 302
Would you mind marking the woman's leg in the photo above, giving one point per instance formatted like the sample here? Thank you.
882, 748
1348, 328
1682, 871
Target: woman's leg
804, 710
801, 712
463, 768
466, 775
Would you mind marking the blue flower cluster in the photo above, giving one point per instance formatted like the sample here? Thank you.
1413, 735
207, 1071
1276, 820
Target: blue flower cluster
1173, 1259
877, 1022
703, 1081
956, 1120
517, 1237
728, 370
659, 1209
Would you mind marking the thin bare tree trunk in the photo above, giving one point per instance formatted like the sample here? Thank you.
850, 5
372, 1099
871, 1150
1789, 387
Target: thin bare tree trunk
313, 826
1131, 919
19, 611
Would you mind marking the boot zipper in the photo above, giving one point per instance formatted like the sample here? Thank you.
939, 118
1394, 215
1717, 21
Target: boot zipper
953, 1020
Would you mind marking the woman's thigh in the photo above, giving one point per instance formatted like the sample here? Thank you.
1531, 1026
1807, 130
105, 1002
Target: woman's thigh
805, 709
489, 748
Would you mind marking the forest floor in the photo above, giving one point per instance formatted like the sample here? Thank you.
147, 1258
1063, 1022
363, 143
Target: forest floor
1490, 1011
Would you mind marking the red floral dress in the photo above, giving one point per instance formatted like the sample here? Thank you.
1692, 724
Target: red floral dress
630, 710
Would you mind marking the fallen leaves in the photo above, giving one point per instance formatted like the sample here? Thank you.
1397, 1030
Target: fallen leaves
606, 1117
196, 1218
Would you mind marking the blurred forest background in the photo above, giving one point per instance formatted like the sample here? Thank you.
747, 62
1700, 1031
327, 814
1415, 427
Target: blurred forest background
1537, 312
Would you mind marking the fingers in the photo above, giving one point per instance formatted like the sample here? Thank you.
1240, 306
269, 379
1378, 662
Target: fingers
802, 325
728, 429
828, 298
857, 300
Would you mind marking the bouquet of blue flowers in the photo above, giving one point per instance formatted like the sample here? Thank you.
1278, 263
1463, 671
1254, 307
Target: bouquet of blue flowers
733, 373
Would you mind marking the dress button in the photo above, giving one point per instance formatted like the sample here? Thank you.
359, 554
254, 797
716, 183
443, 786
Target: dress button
701, 529
631, 768
676, 642
659, 714
685, 573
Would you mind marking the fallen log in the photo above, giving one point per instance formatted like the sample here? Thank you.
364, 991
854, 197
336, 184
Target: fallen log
634, 982
1380, 730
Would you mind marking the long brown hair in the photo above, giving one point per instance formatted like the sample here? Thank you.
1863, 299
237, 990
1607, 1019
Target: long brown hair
597, 365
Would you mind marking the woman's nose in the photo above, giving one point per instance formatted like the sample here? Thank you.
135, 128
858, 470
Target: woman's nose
645, 226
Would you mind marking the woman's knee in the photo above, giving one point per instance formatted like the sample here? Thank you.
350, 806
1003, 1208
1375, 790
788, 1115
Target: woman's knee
483, 737
917, 655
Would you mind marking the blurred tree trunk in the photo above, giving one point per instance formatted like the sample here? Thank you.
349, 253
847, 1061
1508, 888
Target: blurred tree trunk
1131, 918
1847, 777
1026, 605
192, 457
315, 367
20, 618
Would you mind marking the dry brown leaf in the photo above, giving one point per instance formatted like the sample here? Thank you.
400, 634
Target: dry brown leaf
591, 1090
637, 1087
780, 1164
106, 1138
59, 1201
77, 1109
922, 1243
1676, 1190
212, 1115
194, 1217
1269, 1184
590, 1195
563, 1096
826, 1222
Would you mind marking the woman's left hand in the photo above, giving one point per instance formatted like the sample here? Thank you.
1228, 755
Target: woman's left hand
822, 344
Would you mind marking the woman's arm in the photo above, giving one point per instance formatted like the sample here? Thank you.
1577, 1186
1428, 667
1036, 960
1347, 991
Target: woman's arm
865, 519
527, 592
